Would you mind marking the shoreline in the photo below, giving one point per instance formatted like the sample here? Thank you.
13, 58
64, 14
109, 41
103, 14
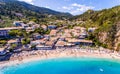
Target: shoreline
37, 55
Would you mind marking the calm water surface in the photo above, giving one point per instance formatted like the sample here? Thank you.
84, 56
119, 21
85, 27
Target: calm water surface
66, 66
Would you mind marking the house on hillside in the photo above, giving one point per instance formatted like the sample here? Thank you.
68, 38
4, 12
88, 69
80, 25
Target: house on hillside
47, 37
13, 41
62, 38
43, 47
35, 26
18, 23
52, 26
37, 42
29, 29
82, 29
53, 32
68, 35
60, 44
54, 38
50, 43
91, 29
44, 27
3, 51
80, 42
25, 26
19, 14
82, 35
67, 31
69, 44
37, 36
4, 32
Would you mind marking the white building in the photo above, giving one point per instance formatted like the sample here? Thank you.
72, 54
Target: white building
4, 32
43, 47
2, 51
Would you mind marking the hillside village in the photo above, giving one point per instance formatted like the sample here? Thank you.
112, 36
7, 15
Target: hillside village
31, 36
56, 27
59, 37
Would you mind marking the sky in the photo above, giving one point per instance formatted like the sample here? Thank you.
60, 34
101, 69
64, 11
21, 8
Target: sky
74, 7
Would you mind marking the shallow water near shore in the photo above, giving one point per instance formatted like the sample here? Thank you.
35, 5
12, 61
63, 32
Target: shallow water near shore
66, 66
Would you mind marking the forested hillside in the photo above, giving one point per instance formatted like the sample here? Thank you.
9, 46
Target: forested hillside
107, 22
11, 10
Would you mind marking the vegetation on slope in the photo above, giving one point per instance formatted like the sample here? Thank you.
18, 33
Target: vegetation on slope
106, 22
11, 10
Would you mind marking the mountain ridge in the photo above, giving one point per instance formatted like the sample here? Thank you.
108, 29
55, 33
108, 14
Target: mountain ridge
12, 10
36, 8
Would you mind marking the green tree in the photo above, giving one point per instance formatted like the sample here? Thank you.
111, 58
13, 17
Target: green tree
3, 42
25, 41
13, 32
13, 46
40, 31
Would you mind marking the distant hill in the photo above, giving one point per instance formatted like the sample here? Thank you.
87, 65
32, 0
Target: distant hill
14, 4
107, 22
17, 10
99, 18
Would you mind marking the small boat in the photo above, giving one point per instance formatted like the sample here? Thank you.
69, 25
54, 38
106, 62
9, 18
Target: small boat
101, 70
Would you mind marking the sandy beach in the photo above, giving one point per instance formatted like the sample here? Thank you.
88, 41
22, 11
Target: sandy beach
26, 56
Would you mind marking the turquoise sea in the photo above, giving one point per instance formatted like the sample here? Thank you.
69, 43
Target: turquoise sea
66, 66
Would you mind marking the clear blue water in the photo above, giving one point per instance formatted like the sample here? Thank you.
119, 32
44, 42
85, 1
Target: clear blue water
66, 66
